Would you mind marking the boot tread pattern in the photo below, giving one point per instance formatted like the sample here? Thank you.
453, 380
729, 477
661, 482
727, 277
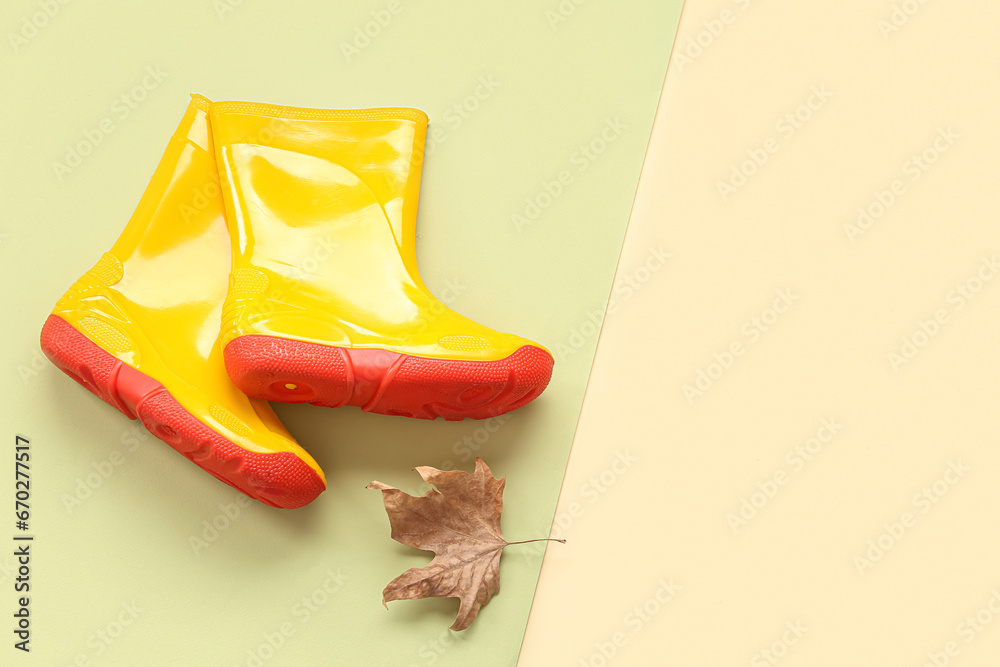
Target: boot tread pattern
278, 369
229, 420
107, 335
108, 271
463, 343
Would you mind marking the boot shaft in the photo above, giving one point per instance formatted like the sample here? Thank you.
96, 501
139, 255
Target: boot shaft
383, 147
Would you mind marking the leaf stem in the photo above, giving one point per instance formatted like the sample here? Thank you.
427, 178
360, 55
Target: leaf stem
539, 539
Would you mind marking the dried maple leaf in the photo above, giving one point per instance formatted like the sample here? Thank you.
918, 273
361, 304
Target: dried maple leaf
460, 523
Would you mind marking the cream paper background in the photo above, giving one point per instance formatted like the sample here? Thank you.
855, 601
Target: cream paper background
908, 481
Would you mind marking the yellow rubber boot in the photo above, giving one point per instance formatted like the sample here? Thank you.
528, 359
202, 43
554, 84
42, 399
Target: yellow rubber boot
140, 330
326, 305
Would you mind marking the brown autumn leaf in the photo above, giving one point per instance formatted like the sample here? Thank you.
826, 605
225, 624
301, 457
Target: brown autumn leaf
460, 523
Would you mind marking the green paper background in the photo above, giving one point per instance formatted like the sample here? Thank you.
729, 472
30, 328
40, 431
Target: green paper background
555, 86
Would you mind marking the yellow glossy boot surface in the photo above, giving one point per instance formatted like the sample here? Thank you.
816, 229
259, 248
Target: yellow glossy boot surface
326, 304
141, 330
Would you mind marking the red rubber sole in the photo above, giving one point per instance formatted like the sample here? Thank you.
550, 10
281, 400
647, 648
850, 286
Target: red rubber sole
279, 479
389, 383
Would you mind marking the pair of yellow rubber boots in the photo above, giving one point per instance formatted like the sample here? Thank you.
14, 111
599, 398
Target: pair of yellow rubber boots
272, 258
